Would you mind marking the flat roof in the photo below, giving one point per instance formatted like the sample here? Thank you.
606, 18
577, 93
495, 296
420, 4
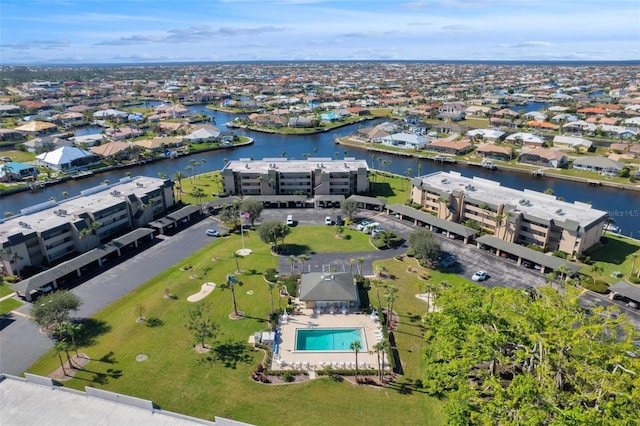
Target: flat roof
534, 204
526, 253
24, 402
327, 164
456, 228
626, 290
368, 200
51, 214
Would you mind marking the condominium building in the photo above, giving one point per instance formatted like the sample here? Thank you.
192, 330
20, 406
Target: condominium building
524, 217
51, 232
310, 177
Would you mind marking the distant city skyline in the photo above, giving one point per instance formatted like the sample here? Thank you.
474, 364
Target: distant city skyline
42, 32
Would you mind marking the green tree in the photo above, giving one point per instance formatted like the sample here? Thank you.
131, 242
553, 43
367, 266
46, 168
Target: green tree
199, 322
179, 176
292, 261
231, 283
54, 309
271, 286
230, 215
380, 349
273, 231
253, 207
302, 259
425, 245
349, 208
198, 193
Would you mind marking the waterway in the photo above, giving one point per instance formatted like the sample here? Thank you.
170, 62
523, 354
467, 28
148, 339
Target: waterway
623, 206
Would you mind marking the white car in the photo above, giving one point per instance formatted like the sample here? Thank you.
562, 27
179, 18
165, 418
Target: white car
290, 220
480, 276
328, 220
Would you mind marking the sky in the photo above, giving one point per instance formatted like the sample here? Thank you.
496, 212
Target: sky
138, 31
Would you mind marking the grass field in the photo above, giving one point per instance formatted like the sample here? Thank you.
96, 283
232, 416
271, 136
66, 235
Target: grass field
203, 385
9, 305
613, 256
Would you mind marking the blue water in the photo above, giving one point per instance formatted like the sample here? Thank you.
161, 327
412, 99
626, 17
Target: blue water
326, 339
87, 130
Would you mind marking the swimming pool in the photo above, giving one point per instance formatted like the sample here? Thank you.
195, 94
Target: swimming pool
327, 339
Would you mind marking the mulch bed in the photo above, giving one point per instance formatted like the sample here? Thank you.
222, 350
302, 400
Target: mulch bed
78, 362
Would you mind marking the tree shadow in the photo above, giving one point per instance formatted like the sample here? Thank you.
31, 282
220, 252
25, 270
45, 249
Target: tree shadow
91, 329
382, 189
154, 322
229, 354
293, 249
611, 251
108, 358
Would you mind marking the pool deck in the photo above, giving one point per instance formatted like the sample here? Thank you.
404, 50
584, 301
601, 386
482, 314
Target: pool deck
288, 358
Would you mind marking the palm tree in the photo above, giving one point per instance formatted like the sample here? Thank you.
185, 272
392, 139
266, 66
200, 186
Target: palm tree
59, 347
499, 221
198, 193
563, 270
231, 282
483, 207
236, 256
431, 289
302, 258
292, 260
633, 257
356, 346
381, 348
65, 194
360, 262
390, 296
596, 269
271, 286
352, 261
178, 176
205, 272
378, 284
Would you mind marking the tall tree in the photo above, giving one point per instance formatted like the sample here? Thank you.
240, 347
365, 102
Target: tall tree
425, 245
356, 346
349, 208
231, 283
199, 322
253, 207
390, 296
178, 176
54, 309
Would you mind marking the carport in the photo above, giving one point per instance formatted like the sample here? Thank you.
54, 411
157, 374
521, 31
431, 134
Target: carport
280, 201
522, 253
625, 290
327, 200
172, 219
368, 203
437, 225
74, 268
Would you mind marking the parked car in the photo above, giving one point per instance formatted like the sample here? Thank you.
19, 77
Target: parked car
370, 227
339, 220
448, 261
377, 231
212, 233
480, 276
290, 221
328, 220
363, 224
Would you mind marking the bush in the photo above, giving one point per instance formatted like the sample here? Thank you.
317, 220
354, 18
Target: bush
598, 286
410, 252
561, 254
634, 279
271, 275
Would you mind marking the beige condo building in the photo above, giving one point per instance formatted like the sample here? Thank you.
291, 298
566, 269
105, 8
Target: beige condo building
523, 217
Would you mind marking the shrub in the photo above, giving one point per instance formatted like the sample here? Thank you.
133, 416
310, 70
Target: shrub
410, 252
634, 279
288, 376
598, 286
271, 275
561, 254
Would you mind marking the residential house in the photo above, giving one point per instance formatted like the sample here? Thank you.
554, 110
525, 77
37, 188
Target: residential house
478, 111
618, 131
454, 111
602, 165
405, 141
495, 152
493, 135
69, 119
12, 171
525, 139
67, 159
580, 127
543, 157
543, 125
267, 120
117, 150
122, 133
202, 135
303, 122
34, 128
571, 142
534, 115
449, 147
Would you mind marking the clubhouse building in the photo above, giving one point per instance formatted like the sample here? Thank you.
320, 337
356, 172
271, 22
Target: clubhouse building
525, 217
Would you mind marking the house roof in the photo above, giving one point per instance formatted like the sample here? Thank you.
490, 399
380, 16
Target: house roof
327, 286
598, 162
421, 216
63, 155
110, 148
35, 126
489, 147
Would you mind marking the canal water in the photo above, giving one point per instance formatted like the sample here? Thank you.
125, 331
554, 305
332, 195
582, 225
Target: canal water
622, 206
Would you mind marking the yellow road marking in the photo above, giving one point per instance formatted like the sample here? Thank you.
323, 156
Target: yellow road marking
20, 314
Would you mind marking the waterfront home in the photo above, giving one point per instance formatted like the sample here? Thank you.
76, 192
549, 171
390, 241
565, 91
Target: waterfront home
67, 158
602, 165
69, 119
122, 133
10, 135
534, 115
88, 140
449, 147
563, 118
405, 141
543, 157
117, 150
267, 120
9, 110
331, 116
159, 144
371, 134
535, 124
495, 152
12, 171
110, 114
171, 128
303, 122
454, 111
478, 111
571, 142
525, 139
203, 135
618, 131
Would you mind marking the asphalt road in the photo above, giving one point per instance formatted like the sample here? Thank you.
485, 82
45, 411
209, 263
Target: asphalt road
21, 343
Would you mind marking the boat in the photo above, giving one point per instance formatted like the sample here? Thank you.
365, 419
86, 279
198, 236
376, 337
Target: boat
610, 227
488, 164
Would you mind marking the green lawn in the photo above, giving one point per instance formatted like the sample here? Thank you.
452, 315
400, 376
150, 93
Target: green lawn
203, 385
9, 305
614, 256
5, 288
